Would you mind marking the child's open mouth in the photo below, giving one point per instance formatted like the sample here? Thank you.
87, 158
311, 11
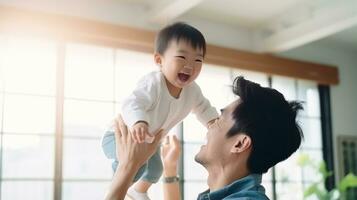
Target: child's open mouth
183, 77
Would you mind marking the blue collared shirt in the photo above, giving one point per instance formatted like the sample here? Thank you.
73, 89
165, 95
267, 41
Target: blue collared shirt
247, 188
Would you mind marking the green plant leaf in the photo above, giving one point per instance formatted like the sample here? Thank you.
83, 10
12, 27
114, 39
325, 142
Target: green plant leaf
350, 180
334, 194
323, 170
303, 160
312, 189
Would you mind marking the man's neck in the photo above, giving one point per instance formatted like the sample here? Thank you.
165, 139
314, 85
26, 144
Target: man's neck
220, 176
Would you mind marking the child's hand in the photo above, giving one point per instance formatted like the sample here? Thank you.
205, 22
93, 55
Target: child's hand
139, 131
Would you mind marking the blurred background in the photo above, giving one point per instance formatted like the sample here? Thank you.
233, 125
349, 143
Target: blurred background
65, 67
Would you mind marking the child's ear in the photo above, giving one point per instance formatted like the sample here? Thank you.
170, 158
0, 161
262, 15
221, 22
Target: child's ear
158, 59
242, 142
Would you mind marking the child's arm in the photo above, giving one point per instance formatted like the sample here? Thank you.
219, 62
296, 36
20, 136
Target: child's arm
135, 107
205, 113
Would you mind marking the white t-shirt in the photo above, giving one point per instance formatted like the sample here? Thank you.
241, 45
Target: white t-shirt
151, 102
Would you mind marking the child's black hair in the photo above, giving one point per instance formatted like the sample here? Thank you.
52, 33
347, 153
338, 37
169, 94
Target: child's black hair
179, 31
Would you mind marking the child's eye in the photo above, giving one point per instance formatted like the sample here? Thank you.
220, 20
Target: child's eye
198, 60
183, 57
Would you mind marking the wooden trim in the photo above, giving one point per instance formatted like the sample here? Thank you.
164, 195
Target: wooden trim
74, 29
273, 65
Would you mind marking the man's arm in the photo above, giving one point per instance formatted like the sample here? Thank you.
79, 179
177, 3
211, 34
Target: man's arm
170, 154
131, 156
121, 182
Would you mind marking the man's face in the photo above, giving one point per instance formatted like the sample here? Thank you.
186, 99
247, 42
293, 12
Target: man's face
218, 147
181, 63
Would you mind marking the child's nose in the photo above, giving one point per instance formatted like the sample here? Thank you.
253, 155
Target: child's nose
189, 66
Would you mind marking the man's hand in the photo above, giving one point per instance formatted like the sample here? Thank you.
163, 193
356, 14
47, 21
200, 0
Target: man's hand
129, 151
170, 153
131, 156
139, 131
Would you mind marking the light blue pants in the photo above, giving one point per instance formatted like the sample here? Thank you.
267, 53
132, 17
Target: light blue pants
151, 171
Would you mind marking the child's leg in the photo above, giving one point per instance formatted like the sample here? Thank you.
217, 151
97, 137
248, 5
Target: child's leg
142, 186
152, 173
108, 145
109, 149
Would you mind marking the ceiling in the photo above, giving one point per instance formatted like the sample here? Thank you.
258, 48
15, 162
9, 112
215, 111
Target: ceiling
242, 12
346, 39
269, 26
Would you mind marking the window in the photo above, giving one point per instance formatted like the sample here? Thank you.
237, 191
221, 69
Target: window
95, 81
27, 80
289, 176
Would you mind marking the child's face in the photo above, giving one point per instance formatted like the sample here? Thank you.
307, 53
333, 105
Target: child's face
181, 63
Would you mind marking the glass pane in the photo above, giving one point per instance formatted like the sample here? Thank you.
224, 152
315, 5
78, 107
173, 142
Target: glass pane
20, 190
311, 128
257, 77
309, 173
30, 66
215, 83
308, 93
130, 67
193, 189
89, 72
84, 159
117, 109
193, 170
1, 110
29, 114
2, 61
34, 152
268, 189
156, 191
84, 190
193, 130
288, 170
286, 86
87, 118
291, 191
267, 177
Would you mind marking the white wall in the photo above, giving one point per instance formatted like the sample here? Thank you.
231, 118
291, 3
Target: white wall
343, 95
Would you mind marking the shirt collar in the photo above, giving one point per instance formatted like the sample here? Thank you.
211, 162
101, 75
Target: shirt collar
239, 185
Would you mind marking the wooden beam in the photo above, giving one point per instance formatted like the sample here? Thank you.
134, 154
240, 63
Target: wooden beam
24, 22
333, 18
164, 13
321, 73
73, 29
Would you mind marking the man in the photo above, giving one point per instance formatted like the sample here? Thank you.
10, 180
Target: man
251, 135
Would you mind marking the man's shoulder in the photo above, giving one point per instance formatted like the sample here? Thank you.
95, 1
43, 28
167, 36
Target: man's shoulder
247, 195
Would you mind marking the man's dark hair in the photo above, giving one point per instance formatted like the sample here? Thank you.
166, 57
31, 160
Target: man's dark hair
178, 31
269, 120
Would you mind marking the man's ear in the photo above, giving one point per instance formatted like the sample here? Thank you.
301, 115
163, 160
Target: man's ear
158, 59
242, 143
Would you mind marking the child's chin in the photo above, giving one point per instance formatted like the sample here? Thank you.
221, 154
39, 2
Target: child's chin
183, 83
